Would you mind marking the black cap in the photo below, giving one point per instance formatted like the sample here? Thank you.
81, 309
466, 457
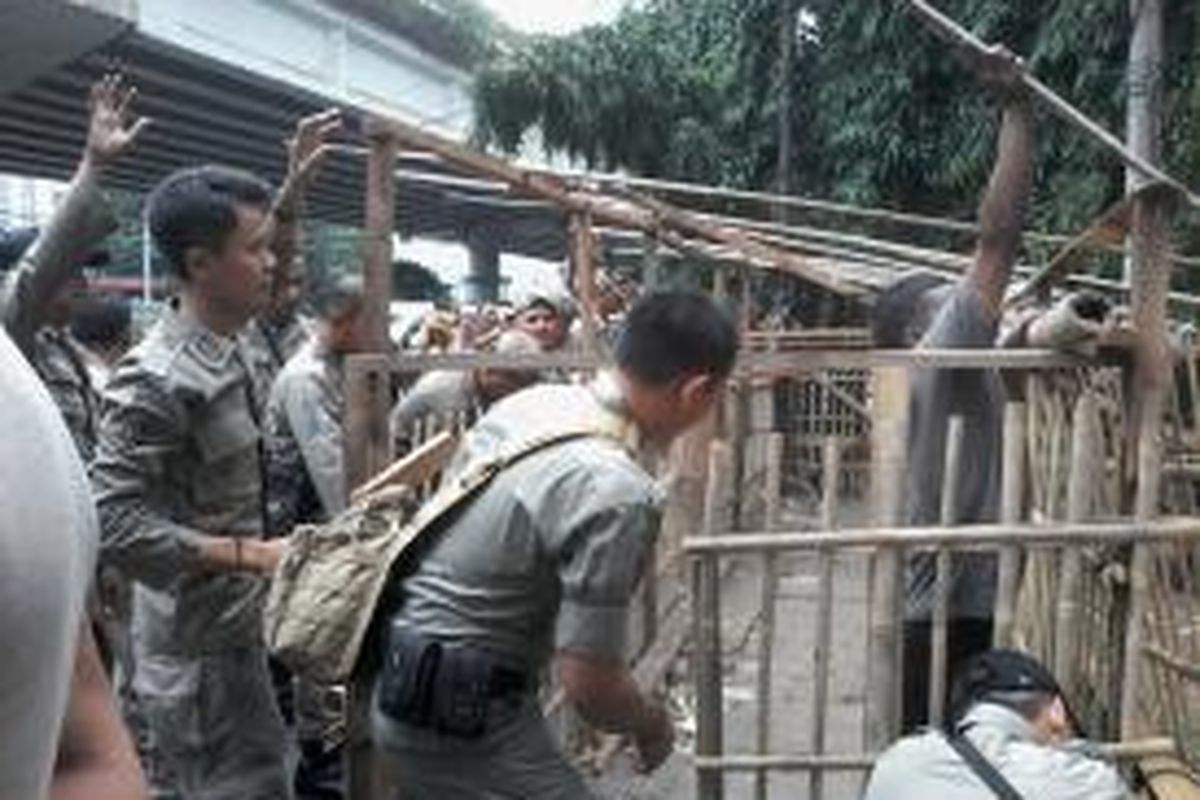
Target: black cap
995, 673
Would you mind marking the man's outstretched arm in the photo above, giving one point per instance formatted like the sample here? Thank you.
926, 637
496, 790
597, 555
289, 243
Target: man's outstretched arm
96, 758
1005, 202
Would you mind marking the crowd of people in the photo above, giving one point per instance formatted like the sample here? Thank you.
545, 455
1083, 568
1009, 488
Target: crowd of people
209, 440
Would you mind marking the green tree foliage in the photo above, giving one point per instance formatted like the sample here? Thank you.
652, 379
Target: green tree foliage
884, 114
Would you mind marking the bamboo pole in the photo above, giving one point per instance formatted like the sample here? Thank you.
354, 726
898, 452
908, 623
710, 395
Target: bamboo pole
954, 33
863, 762
959, 537
785, 362
767, 601
1079, 496
583, 271
707, 620
670, 225
1151, 275
939, 641
823, 651
1011, 507
890, 398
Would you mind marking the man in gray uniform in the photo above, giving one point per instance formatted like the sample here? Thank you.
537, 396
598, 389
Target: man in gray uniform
1010, 725
924, 311
306, 483
35, 301
539, 569
442, 394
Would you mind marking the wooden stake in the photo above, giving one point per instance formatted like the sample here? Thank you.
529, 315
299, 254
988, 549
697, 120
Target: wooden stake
889, 433
939, 641
377, 245
1079, 495
706, 594
1151, 276
583, 269
823, 652
1011, 508
767, 600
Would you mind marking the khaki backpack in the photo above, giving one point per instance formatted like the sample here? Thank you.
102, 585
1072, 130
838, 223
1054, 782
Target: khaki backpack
333, 577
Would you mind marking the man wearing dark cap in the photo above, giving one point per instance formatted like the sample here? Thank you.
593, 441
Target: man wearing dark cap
1011, 735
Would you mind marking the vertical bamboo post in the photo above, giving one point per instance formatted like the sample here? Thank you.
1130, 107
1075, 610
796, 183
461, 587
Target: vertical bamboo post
889, 433
1079, 496
706, 611
766, 641
380, 207
939, 649
377, 243
583, 269
1012, 491
823, 652
1150, 279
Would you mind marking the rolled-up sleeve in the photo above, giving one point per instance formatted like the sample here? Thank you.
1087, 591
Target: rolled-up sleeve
80, 223
602, 560
142, 430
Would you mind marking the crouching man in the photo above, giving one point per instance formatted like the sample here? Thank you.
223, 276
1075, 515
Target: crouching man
538, 569
1012, 736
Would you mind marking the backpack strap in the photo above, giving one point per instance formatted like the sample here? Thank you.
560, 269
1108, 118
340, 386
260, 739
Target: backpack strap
982, 768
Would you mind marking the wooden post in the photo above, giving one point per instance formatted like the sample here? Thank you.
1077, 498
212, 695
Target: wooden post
377, 244
767, 602
939, 641
823, 651
706, 611
889, 434
1151, 273
1011, 506
1080, 487
583, 270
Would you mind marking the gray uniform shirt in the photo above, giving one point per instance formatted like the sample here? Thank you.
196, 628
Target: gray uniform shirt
305, 438
937, 395
438, 393
179, 454
925, 767
547, 557
47, 554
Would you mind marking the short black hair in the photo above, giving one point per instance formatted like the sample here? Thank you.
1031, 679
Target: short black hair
102, 322
895, 306
669, 334
196, 207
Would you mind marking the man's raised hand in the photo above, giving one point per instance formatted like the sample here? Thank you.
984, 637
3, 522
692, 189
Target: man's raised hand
310, 144
1000, 70
112, 128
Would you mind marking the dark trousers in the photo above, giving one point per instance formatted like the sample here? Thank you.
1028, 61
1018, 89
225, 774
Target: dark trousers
965, 638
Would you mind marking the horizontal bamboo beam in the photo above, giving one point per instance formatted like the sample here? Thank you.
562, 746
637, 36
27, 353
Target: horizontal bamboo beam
957, 35
861, 762
964, 537
787, 361
673, 227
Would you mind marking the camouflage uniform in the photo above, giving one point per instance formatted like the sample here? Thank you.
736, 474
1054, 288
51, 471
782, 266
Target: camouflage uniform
546, 558
179, 454
79, 223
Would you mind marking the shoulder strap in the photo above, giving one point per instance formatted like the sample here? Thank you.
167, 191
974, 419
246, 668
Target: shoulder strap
982, 767
478, 475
